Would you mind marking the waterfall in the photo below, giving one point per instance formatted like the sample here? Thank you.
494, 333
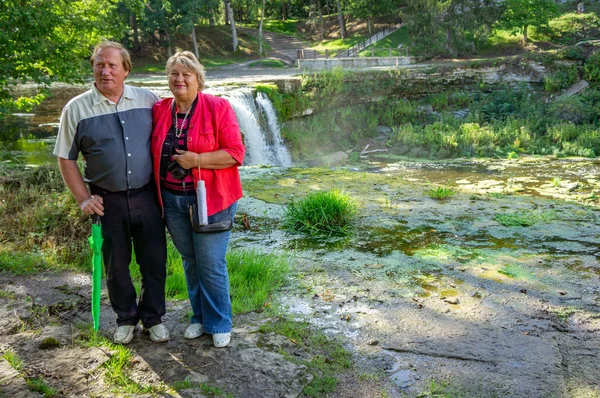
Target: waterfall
281, 153
263, 144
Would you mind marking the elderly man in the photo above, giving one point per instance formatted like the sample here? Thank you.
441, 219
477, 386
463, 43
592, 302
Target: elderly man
111, 126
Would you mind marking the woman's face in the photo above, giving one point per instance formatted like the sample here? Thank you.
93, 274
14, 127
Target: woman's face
183, 83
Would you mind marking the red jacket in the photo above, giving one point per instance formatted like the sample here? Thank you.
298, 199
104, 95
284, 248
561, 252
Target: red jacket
213, 126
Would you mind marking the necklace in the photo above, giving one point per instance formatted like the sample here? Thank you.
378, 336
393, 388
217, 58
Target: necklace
178, 131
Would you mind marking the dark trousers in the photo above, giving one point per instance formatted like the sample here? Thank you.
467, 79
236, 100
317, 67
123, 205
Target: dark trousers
134, 216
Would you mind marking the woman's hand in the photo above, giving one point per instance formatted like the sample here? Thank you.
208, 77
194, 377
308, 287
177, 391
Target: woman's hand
186, 159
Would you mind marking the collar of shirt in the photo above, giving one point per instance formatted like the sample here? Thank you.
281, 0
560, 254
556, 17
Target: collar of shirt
98, 97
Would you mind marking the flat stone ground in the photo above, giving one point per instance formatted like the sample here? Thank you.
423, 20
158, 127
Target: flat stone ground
427, 293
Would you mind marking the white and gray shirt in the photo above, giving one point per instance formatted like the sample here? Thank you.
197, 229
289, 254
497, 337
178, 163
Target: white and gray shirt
114, 139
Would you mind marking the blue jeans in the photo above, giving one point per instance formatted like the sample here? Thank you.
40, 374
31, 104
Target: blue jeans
203, 256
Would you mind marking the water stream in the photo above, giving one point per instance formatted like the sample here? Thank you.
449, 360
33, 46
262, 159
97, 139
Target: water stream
28, 138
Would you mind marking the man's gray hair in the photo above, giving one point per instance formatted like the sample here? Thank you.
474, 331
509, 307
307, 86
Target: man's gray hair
113, 44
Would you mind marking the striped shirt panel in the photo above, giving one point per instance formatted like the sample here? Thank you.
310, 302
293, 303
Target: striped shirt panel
114, 139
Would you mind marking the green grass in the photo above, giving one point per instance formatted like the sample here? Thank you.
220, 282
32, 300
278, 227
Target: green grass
328, 357
39, 385
253, 277
267, 63
33, 383
441, 193
382, 46
288, 27
501, 40
338, 44
13, 360
522, 219
322, 213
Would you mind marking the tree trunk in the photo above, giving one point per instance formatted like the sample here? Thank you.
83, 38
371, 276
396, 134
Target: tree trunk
195, 43
137, 46
232, 21
341, 20
226, 11
525, 38
321, 22
168, 37
311, 10
211, 17
370, 25
283, 10
260, 31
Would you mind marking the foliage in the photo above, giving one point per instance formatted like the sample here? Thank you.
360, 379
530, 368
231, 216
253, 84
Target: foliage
519, 15
287, 104
52, 43
575, 53
450, 27
441, 193
573, 109
40, 218
570, 28
592, 68
561, 79
322, 213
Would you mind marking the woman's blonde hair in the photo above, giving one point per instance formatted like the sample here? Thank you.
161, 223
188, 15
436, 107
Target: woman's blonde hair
188, 61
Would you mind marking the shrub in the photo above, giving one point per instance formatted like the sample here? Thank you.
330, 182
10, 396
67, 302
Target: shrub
575, 53
592, 68
572, 109
324, 212
561, 79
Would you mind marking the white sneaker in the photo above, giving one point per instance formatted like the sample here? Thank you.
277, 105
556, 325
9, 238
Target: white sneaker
123, 334
193, 331
159, 333
221, 340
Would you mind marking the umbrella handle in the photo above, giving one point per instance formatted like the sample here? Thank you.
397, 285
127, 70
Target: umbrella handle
96, 218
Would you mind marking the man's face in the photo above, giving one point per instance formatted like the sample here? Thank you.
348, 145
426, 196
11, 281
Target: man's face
109, 72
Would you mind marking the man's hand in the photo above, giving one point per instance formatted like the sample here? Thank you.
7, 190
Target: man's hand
93, 205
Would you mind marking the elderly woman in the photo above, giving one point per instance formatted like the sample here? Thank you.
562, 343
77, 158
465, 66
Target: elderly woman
196, 140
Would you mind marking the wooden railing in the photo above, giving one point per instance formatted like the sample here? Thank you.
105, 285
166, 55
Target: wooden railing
314, 54
353, 51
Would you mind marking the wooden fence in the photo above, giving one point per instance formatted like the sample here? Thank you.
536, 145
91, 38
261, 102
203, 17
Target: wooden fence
314, 54
353, 51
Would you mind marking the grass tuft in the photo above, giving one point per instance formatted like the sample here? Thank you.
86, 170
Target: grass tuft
253, 277
323, 213
441, 193
522, 219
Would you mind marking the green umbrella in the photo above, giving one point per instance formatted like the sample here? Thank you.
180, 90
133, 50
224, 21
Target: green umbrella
96, 243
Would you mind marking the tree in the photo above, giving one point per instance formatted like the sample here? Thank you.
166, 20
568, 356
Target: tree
450, 27
519, 15
229, 12
368, 9
46, 41
341, 20
260, 29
